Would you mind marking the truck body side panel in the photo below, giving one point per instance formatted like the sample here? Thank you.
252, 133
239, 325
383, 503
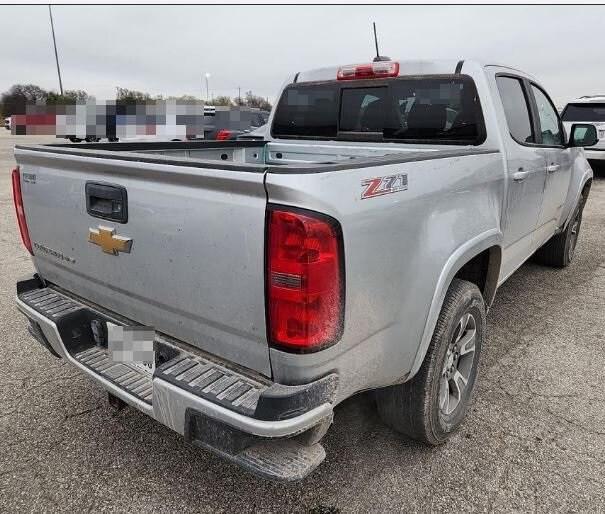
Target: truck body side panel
396, 246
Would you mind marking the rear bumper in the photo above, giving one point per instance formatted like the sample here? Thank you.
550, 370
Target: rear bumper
243, 417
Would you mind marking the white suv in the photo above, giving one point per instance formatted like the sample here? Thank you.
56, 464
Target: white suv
588, 109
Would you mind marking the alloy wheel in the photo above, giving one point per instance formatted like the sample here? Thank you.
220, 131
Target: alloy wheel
573, 237
459, 360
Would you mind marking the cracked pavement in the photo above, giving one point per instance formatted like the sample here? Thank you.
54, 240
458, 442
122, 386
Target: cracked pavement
534, 439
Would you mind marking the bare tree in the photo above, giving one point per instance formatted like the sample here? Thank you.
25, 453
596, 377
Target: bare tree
71, 96
257, 101
18, 96
222, 101
131, 96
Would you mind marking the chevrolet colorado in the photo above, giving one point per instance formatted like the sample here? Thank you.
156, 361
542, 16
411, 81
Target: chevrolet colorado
357, 248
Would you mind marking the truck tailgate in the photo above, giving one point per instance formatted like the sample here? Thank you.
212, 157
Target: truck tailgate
191, 263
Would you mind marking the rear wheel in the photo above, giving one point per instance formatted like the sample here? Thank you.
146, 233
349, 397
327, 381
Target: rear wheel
432, 405
560, 249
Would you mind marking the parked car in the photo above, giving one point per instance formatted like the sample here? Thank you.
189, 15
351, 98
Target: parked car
588, 109
257, 134
158, 121
150, 139
88, 139
357, 248
234, 130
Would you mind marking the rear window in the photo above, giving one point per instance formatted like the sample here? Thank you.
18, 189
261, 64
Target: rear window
362, 109
437, 110
307, 112
584, 112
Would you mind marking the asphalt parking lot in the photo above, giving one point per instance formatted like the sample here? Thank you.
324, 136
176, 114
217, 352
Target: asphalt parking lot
534, 439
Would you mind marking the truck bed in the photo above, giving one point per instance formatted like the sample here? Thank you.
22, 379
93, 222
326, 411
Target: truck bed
259, 156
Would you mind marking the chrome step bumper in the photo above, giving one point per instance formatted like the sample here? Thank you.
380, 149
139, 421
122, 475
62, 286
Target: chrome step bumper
214, 382
135, 382
189, 386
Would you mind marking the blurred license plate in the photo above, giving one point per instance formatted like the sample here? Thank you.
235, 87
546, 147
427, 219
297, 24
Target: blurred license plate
132, 346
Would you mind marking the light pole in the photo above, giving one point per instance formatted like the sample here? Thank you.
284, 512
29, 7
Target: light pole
52, 28
207, 76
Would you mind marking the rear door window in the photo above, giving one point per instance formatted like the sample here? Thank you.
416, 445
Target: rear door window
516, 109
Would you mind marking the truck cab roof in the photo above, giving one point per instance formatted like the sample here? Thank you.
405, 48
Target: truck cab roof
408, 67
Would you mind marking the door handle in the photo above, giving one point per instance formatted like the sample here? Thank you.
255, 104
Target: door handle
520, 175
107, 201
552, 168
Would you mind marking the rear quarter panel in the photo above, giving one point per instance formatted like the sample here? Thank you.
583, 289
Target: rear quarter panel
398, 248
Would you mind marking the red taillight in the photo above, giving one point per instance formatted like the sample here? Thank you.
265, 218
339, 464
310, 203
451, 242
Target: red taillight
18, 199
373, 70
304, 280
223, 135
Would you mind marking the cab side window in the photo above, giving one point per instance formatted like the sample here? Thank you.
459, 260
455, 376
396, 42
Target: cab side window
550, 128
516, 109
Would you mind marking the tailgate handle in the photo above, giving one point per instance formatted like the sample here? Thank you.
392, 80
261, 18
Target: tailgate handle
107, 201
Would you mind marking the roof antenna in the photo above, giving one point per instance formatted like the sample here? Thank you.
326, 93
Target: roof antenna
378, 57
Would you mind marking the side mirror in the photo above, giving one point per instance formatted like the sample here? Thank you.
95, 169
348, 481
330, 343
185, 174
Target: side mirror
583, 134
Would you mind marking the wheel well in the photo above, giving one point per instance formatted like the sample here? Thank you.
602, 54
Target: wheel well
586, 190
483, 270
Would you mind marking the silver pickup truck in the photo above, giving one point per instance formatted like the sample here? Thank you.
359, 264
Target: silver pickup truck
358, 248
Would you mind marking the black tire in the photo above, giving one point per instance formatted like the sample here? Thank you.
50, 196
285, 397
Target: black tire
75, 139
560, 249
413, 408
598, 167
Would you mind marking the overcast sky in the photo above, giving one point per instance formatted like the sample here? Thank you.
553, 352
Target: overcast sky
166, 50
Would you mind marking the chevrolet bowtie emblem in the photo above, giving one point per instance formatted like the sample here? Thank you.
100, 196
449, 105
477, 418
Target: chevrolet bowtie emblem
105, 237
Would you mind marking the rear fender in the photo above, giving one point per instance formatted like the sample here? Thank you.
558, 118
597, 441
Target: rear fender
462, 255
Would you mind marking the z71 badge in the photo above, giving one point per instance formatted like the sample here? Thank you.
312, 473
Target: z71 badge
384, 185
